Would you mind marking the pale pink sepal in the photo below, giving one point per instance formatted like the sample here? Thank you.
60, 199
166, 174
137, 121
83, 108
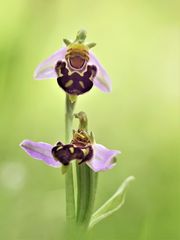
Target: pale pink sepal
40, 151
103, 158
46, 69
102, 80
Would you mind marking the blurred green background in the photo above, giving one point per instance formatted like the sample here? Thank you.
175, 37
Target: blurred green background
139, 44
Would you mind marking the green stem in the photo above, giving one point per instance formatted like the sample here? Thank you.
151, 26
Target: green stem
92, 193
69, 118
69, 182
87, 184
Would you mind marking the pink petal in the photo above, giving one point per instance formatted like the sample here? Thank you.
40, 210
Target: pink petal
45, 69
40, 151
103, 158
102, 80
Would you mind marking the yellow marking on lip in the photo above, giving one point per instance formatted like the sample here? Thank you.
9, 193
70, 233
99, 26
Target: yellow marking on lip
85, 151
80, 73
93, 74
81, 84
71, 149
58, 70
69, 83
59, 148
70, 73
91, 78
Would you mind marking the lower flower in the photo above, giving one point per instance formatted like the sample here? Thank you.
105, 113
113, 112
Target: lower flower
81, 148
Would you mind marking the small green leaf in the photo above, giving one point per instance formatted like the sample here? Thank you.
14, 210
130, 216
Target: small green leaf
112, 204
81, 36
91, 45
66, 41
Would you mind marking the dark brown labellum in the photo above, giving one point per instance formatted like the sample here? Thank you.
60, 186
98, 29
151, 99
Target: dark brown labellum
75, 83
69, 152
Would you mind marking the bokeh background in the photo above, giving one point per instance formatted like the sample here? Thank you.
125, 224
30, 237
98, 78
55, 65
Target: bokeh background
139, 44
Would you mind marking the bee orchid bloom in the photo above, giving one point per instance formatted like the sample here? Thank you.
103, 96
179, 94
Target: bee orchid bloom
76, 68
96, 156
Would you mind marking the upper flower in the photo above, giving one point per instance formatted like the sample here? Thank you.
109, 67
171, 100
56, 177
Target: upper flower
75, 67
81, 148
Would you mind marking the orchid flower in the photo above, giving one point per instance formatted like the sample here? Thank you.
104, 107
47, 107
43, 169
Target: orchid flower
96, 156
76, 68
